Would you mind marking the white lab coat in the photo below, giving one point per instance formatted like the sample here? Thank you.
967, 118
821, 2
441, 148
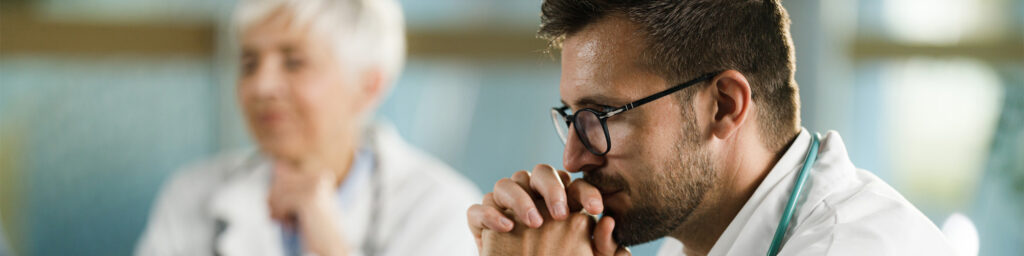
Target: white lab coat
219, 207
842, 211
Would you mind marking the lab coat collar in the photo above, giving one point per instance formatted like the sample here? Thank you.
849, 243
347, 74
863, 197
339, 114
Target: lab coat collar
240, 206
790, 162
755, 224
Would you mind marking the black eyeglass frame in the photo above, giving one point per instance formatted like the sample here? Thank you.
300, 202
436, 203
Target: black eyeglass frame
602, 116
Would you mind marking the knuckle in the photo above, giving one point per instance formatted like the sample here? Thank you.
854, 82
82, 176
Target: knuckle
576, 184
521, 173
495, 218
562, 172
542, 167
579, 222
524, 201
487, 215
502, 183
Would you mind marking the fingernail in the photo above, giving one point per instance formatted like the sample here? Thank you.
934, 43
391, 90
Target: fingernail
505, 222
561, 209
594, 205
534, 216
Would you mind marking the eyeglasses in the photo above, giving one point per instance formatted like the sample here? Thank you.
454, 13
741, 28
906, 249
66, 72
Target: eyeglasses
592, 125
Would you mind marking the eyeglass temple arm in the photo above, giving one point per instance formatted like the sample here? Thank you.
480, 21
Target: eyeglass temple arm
658, 95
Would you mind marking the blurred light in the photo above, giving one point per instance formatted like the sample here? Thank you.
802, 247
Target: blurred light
962, 234
929, 21
941, 118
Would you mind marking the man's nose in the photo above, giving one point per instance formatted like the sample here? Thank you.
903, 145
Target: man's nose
576, 157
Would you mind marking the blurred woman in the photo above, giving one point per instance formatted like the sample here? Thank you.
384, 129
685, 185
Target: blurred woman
323, 181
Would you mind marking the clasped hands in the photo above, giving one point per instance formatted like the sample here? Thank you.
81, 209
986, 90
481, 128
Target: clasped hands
536, 213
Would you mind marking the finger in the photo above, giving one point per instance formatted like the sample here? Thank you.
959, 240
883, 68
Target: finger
546, 182
274, 213
623, 251
274, 205
603, 243
509, 195
587, 196
481, 216
279, 214
581, 223
564, 176
475, 226
523, 179
489, 200
281, 166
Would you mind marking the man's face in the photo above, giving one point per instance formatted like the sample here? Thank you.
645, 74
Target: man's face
656, 172
295, 97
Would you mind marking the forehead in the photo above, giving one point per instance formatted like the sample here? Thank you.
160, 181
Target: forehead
276, 29
599, 63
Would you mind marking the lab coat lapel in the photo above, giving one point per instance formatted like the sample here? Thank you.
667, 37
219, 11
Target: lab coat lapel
243, 220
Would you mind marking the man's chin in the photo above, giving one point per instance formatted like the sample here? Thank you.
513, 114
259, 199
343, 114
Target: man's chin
617, 202
641, 225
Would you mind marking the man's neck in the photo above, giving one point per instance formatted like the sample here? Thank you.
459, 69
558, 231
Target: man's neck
741, 170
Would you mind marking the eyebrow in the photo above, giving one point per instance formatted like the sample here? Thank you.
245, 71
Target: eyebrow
596, 100
289, 49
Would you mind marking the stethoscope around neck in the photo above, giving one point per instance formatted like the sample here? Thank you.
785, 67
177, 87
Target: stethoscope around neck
787, 215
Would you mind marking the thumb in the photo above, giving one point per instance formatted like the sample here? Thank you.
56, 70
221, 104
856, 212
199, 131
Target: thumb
623, 251
604, 245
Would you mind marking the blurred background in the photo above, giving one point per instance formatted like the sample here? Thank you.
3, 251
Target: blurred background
101, 100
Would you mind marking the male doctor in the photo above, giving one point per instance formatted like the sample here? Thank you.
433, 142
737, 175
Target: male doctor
683, 117
323, 181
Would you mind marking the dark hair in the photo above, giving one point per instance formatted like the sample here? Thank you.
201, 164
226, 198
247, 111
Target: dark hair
685, 38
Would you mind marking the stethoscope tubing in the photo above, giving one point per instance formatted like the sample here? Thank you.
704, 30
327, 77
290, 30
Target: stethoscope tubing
787, 215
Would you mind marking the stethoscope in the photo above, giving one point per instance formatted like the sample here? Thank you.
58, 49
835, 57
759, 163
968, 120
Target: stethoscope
376, 179
787, 215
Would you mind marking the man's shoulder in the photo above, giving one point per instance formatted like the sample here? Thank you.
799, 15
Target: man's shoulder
865, 196
867, 211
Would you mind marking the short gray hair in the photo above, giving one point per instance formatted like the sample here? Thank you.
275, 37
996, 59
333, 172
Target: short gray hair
364, 33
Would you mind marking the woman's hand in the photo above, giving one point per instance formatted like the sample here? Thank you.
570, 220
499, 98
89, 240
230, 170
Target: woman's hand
304, 198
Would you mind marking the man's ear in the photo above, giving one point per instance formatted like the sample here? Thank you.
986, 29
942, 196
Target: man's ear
731, 93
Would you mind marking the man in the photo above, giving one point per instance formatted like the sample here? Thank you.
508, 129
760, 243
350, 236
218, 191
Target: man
683, 117
324, 181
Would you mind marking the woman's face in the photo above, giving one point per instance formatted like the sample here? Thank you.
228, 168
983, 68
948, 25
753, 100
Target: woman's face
295, 96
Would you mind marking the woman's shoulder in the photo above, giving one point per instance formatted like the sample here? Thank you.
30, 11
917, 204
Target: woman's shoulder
200, 178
